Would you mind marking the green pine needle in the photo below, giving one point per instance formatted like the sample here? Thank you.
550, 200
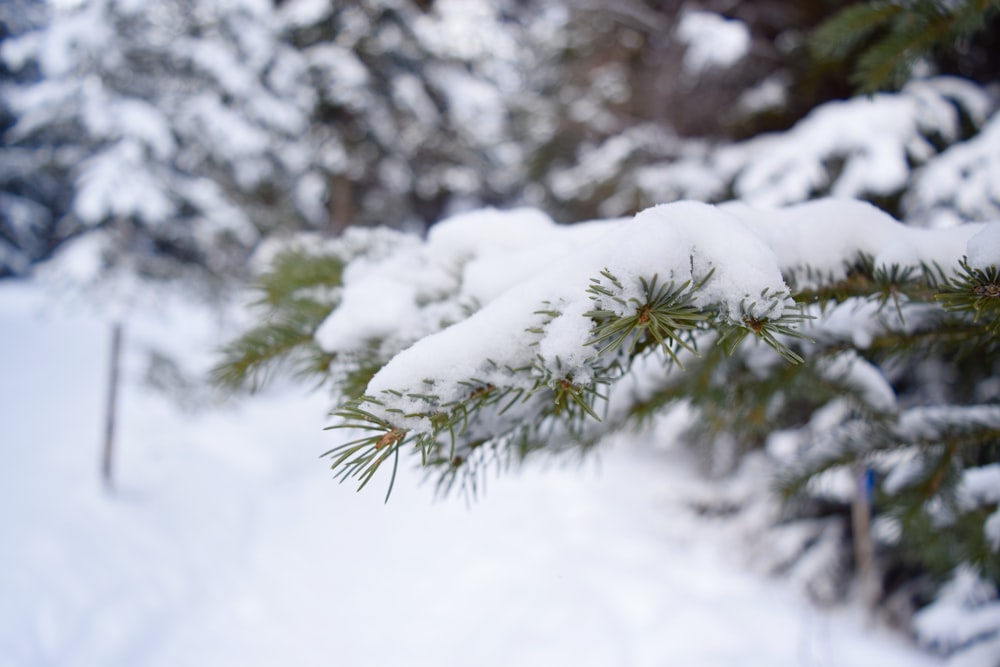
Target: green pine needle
883, 39
975, 291
664, 317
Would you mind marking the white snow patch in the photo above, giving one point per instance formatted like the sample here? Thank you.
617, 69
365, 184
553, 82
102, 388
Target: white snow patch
966, 609
864, 377
992, 530
712, 41
371, 309
980, 486
475, 105
117, 183
984, 248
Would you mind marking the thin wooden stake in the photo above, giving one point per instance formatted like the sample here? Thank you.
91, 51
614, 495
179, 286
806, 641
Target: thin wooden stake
869, 586
107, 457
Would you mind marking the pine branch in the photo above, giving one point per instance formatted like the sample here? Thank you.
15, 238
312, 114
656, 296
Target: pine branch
886, 64
295, 296
836, 38
557, 407
889, 37
975, 291
664, 315
863, 279
361, 458
941, 433
285, 342
295, 273
771, 331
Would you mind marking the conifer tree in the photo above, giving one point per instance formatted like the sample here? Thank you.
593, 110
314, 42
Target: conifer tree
418, 104
177, 129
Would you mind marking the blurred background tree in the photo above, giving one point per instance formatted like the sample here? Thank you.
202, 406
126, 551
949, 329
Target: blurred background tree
176, 132
184, 132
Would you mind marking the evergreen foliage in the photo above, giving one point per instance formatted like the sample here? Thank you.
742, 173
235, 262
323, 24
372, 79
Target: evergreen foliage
294, 297
885, 38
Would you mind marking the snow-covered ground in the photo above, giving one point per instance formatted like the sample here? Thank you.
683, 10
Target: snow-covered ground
227, 543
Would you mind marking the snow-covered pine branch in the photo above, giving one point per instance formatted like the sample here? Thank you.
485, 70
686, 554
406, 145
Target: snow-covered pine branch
911, 144
506, 331
827, 335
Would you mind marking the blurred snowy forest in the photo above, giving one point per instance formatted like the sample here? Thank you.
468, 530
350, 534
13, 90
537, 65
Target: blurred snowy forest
188, 140
184, 132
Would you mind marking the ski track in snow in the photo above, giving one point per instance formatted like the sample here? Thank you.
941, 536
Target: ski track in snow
227, 543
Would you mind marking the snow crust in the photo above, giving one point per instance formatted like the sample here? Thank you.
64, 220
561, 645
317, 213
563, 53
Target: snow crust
827, 235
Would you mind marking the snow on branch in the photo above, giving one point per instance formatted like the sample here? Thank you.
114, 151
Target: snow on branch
503, 333
860, 147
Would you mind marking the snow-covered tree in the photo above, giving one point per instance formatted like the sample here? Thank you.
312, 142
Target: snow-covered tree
23, 219
421, 105
702, 74
866, 147
178, 129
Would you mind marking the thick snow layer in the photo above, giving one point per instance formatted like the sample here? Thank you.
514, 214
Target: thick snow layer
678, 242
226, 542
827, 235
875, 137
506, 267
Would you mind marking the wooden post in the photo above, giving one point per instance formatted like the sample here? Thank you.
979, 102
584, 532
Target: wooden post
107, 456
869, 586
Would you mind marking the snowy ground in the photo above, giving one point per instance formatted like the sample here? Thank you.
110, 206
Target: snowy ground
228, 544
